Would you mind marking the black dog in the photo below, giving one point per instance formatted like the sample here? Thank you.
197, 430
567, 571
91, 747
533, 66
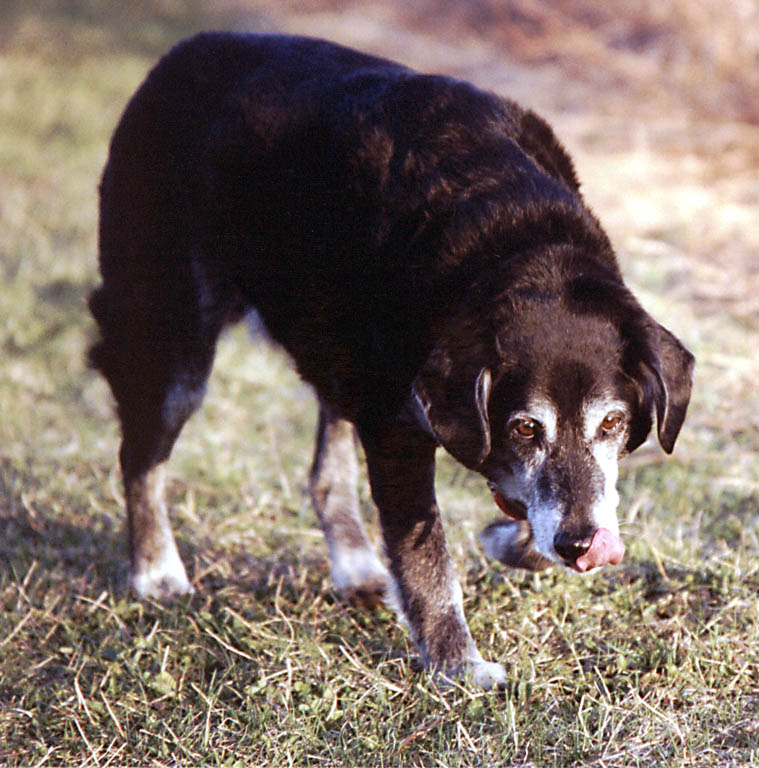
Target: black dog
422, 251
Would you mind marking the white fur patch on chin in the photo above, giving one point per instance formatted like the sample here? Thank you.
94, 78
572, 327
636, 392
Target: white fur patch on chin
163, 578
544, 519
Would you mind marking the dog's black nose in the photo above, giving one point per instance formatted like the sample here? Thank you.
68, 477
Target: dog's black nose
569, 546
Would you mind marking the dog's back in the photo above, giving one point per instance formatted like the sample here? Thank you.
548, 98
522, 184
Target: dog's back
324, 187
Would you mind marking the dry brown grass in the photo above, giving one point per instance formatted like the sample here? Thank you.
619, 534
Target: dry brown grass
703, 54
654, 663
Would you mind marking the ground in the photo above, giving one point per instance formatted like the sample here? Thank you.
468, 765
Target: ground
654, 662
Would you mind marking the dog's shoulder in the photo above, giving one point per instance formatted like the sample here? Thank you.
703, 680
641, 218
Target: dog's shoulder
457, 111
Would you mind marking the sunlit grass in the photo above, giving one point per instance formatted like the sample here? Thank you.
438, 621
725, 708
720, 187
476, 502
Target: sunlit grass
651, 663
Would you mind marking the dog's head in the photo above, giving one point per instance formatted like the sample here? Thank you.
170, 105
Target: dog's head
544, 402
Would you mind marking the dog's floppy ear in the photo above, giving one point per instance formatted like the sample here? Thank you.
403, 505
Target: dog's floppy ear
664, 376
659, 366
675, 379
454, 404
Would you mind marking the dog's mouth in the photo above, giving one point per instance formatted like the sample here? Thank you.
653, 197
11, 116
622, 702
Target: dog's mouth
510, 507
605, 548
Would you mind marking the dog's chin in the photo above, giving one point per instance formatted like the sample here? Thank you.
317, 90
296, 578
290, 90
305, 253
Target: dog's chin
606, 547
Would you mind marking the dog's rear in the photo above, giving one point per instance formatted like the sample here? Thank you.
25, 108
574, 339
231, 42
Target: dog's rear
422, 251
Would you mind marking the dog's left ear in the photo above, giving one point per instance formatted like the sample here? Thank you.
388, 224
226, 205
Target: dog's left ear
454, 404
665, 377
675, 374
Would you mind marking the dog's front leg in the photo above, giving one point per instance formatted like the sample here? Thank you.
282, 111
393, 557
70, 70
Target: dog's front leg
401, 462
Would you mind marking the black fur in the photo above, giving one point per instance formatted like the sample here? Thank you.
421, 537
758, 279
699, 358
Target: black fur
399, 235
352, 210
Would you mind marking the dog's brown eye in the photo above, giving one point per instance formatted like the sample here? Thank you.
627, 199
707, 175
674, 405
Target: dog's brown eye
525, 429
611, 423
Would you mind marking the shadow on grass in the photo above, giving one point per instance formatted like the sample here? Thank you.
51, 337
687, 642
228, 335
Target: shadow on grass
89, 558
85, 548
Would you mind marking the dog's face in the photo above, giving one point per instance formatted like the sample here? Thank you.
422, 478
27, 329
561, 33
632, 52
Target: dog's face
554, 461
569, 394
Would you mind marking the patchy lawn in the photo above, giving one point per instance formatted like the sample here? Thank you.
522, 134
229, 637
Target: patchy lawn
654, 662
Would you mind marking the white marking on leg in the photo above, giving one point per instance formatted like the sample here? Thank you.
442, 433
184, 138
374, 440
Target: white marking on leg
256, 326
487, 674
180, 403
356, 568
161, 574
164, 576
484, 674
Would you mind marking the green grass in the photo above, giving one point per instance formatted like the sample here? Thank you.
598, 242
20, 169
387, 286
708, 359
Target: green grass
655, 662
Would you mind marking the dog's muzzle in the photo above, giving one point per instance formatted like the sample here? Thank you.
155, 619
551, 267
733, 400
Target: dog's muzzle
582, 554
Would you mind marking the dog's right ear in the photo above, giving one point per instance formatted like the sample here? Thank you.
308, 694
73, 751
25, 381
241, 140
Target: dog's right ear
453, 405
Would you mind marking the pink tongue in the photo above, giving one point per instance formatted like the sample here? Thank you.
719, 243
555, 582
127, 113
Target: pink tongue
605, 548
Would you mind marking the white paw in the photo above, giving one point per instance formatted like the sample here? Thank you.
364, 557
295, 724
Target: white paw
487, 674
500, 537
511, 543
360, 576
162, 579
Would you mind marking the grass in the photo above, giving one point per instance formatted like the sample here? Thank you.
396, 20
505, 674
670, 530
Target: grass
655, 662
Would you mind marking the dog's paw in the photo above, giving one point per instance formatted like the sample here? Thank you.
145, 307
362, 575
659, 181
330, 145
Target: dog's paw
484, 674
361, 577
162, 579
367, 596
487, 674
511, 543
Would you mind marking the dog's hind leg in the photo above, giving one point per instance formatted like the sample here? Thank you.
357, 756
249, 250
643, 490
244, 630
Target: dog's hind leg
148, 437
156, 360
356, 569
